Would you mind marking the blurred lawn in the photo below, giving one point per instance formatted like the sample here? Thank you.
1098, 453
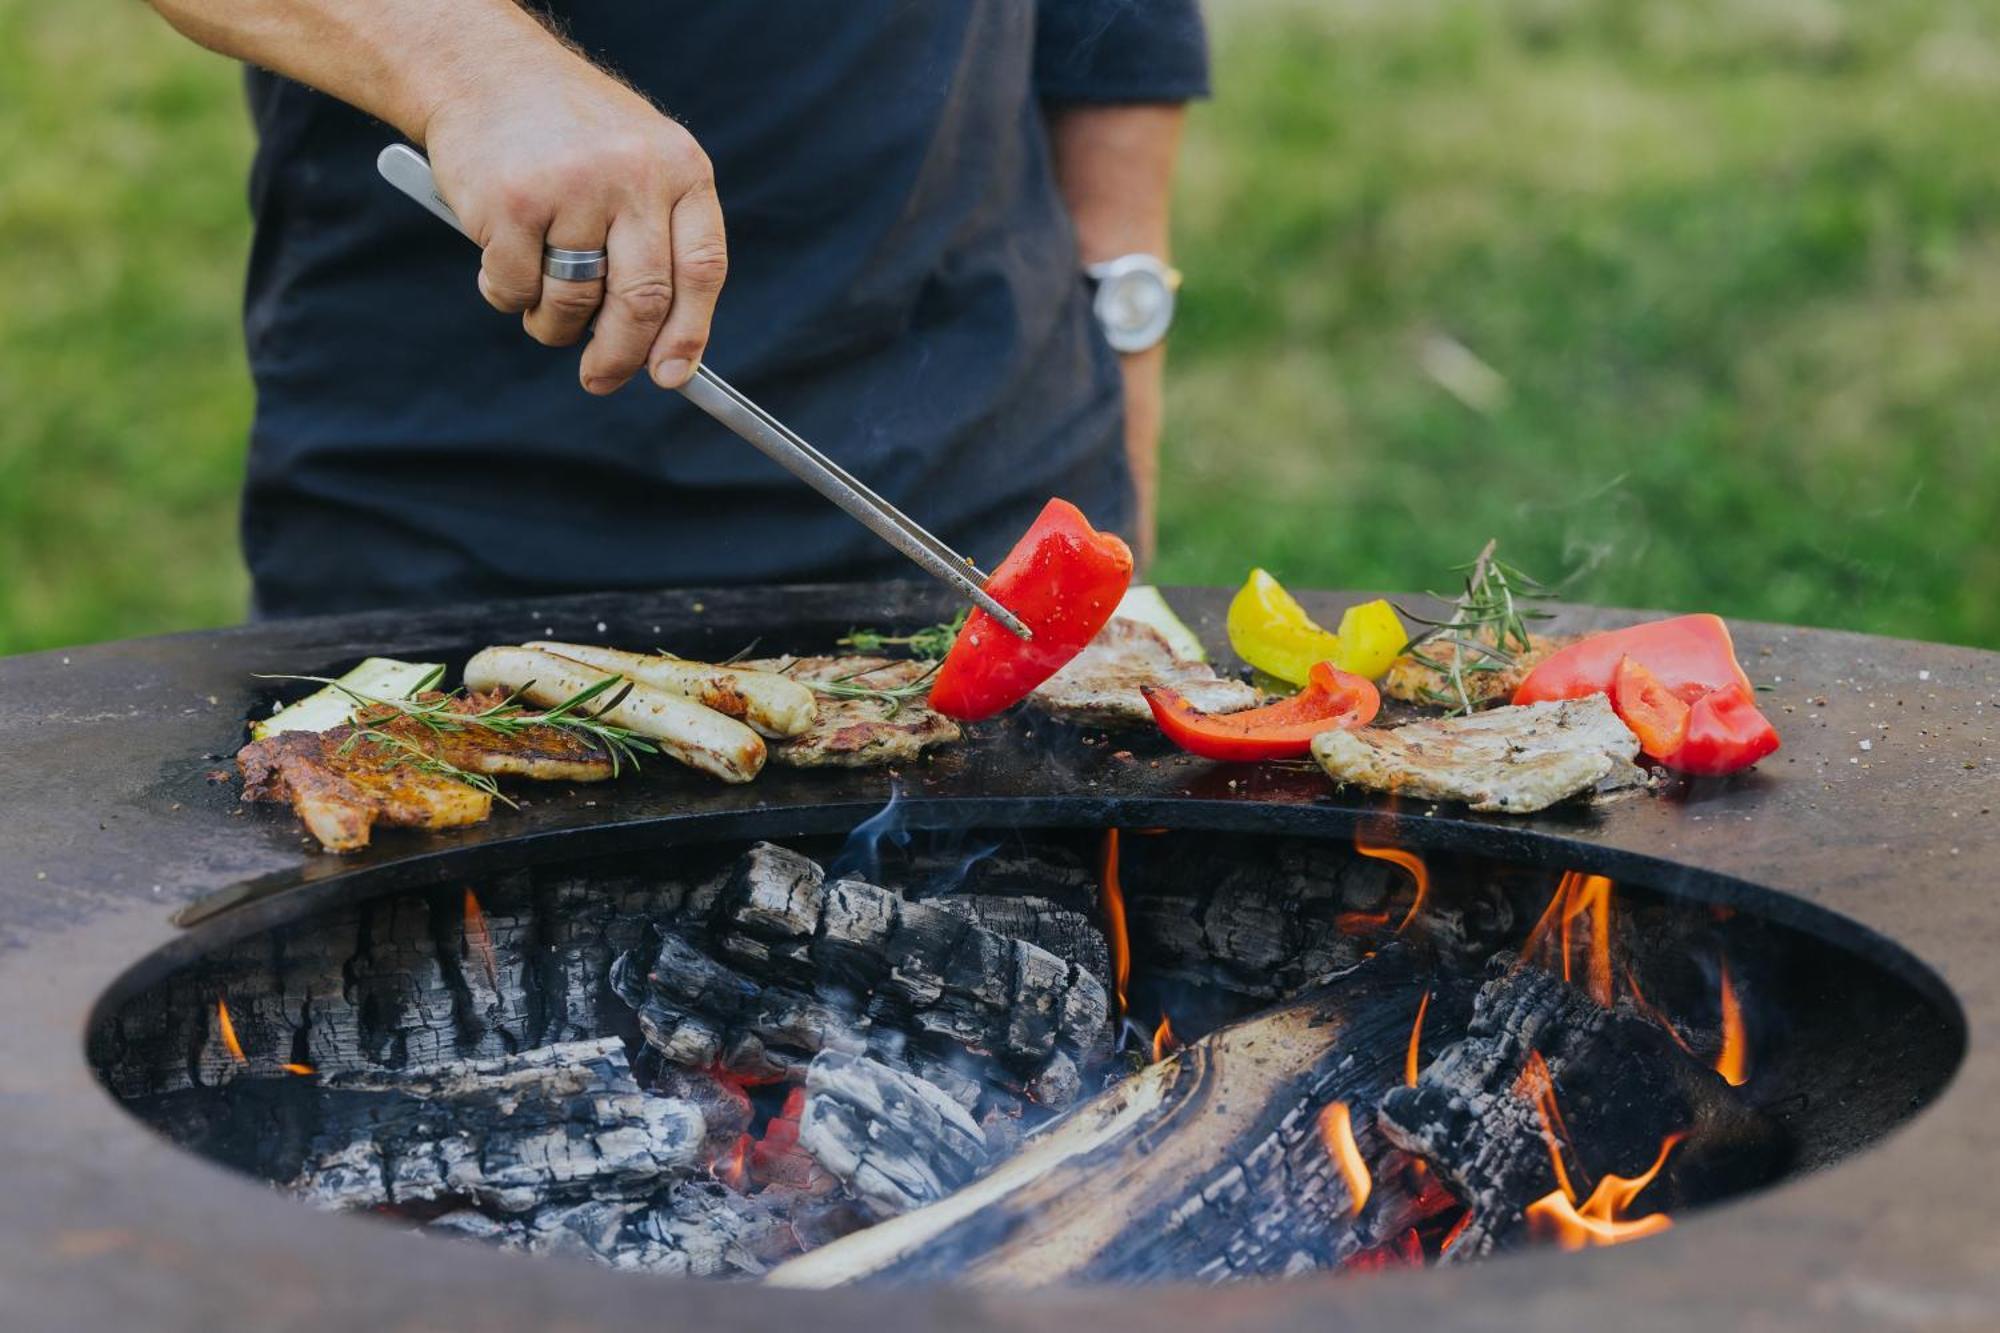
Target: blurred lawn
1703, 298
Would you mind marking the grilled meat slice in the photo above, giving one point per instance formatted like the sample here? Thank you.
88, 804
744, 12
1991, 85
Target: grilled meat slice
342, 793
864, 732
1512, 759
547, 754
1100, 686
1414, 683
342, 785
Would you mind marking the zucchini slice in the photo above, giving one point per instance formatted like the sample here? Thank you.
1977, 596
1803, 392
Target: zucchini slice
1142, 602
327, 707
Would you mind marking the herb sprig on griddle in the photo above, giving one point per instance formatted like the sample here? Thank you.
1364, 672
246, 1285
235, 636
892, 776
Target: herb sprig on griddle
1487, 628
928, 644
442, 714
892, 697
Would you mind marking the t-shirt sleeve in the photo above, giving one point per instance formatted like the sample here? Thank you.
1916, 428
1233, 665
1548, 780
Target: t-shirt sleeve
1120, 51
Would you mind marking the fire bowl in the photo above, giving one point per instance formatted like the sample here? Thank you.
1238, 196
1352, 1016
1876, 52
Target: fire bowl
1866, 844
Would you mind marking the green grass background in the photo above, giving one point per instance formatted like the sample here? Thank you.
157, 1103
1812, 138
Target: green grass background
1700, 298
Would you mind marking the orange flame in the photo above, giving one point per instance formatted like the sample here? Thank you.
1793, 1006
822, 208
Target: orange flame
1164, 1041
1336, 1131
1600, 1219
1411, 863
478, 941
1734, 1061
293, 1067
1578, 895
1410, 1060
732, 1168
227, 1027
1457, 1230
1537, 1085
1114, 918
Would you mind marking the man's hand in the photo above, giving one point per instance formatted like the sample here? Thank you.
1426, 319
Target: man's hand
567, 156
532, 145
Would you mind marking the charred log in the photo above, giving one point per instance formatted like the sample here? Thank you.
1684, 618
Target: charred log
792, 965
1620, 1083
695, 1228
893, 1139
1208, 1163
565, 1122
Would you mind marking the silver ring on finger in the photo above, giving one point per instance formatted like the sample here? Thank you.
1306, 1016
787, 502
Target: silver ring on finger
572, 265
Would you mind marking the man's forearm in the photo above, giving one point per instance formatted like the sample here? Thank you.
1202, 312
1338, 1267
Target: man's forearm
534, 147
1115, 167
395, 59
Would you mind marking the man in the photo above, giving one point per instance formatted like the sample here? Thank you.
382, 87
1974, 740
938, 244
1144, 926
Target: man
913, 193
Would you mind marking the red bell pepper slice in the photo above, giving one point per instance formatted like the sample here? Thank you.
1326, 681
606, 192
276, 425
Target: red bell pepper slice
1283, 730
1063, 579
1725, 733
1689, 655
1657, 716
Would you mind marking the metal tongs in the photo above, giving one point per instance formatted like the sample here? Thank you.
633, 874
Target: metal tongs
406, 169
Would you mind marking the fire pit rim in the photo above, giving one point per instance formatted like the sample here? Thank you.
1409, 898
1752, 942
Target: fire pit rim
97, 1207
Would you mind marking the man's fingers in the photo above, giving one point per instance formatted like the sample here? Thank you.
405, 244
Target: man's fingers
640, 290
510, 272
566, 308
701, 262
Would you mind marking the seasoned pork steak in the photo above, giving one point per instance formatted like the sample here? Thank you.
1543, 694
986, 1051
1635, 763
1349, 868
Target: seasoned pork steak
1509, 759
860, 732
342, 794
1100, 686
342, 786
1414, 683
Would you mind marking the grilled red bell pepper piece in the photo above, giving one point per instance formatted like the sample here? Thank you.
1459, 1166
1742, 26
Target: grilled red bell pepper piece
1657, 716
1283, 730
1063, 579
1689, 655
1725, 733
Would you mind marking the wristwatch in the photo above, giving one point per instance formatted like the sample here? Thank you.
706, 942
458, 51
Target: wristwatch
1135, 299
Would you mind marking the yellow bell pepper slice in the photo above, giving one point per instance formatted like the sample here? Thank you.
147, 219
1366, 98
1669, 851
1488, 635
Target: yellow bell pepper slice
1272, 632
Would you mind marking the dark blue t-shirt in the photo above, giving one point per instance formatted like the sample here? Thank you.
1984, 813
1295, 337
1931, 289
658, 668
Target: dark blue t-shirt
904, 290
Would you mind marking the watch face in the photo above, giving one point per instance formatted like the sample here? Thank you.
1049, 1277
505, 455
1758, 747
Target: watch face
1135, 308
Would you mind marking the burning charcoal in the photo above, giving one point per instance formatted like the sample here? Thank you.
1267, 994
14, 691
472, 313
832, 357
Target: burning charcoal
562, 1122
1256, 925
725, 1107
895, 1140
693, 1229
406, 980
1480, 1112
801, 966
1211, 1162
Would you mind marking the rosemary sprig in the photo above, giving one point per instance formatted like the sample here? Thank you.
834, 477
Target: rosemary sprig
404, 754
1487, 628
928, 644
891, 696
507, 717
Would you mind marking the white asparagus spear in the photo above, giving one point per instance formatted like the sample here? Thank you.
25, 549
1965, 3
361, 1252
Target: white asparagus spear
773, 705
699, 737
